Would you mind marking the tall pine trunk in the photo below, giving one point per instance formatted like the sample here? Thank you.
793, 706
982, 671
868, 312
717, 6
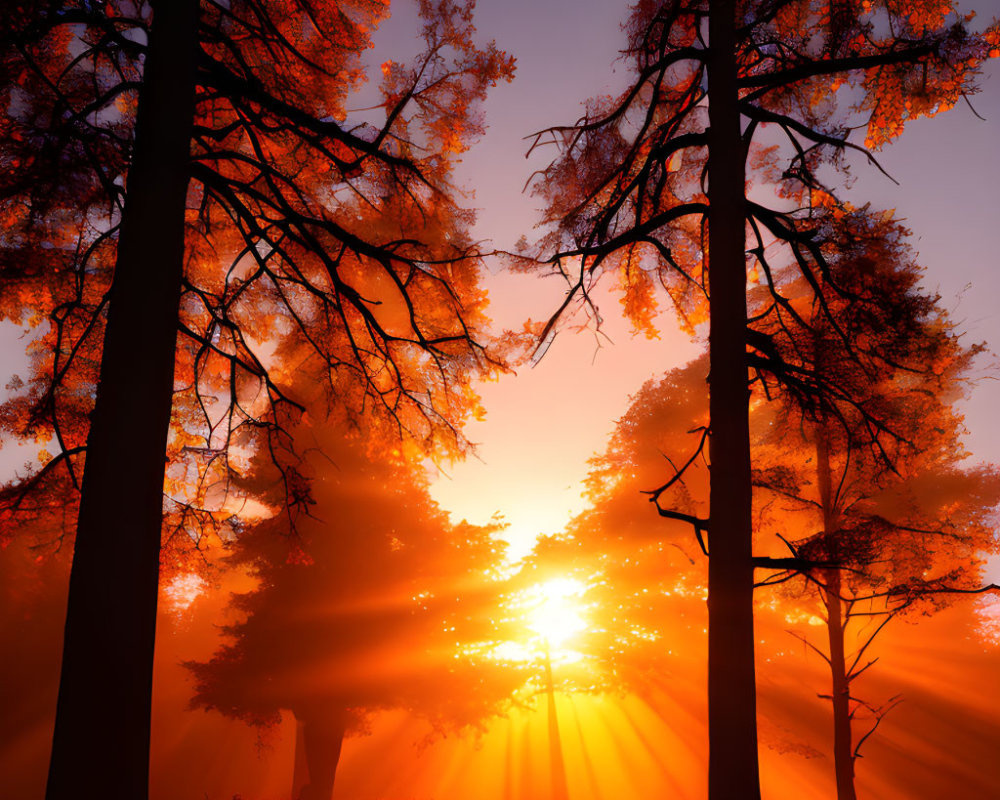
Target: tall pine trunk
323, 729
101, 743
732, 705
840, 696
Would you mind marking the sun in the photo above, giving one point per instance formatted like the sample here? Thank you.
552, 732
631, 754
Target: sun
546, 617
554, 610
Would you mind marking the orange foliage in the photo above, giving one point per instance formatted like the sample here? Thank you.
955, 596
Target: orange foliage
369, 605
631, 171
313, 244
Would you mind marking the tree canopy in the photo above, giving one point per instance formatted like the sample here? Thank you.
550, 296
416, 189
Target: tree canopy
255, 312
372, 603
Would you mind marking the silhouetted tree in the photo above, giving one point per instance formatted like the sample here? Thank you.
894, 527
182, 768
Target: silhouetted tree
910, 546
370, 605
652, 184
232, 183
899, 517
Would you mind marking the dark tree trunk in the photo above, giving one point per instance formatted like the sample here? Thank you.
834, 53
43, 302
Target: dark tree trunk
323, 729
732, 705
101, 743
843, 753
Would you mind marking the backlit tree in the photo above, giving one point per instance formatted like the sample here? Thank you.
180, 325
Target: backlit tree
367, 606
901, 523
651, 184
225, 184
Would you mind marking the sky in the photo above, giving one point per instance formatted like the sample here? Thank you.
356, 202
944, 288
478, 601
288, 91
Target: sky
545, 421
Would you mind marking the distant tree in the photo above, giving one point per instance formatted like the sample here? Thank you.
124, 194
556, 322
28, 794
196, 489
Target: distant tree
902, 523
653, 583
905, 538
913, 546
652, 185
222, 181
371, 604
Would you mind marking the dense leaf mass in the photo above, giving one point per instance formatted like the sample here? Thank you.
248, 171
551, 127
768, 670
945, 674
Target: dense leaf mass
367, 607
315, 240
628, 191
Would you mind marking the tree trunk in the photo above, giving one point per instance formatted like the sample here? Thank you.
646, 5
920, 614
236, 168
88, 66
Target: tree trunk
843, 754
323, 729
732, 705
100, 746
300, 771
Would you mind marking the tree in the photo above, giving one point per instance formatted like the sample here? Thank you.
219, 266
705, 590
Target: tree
899, 518
908, 548
371, 604
224, 216
904, 538
651, 583
651, 184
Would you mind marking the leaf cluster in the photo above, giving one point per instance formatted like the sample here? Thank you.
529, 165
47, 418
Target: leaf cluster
316, 243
